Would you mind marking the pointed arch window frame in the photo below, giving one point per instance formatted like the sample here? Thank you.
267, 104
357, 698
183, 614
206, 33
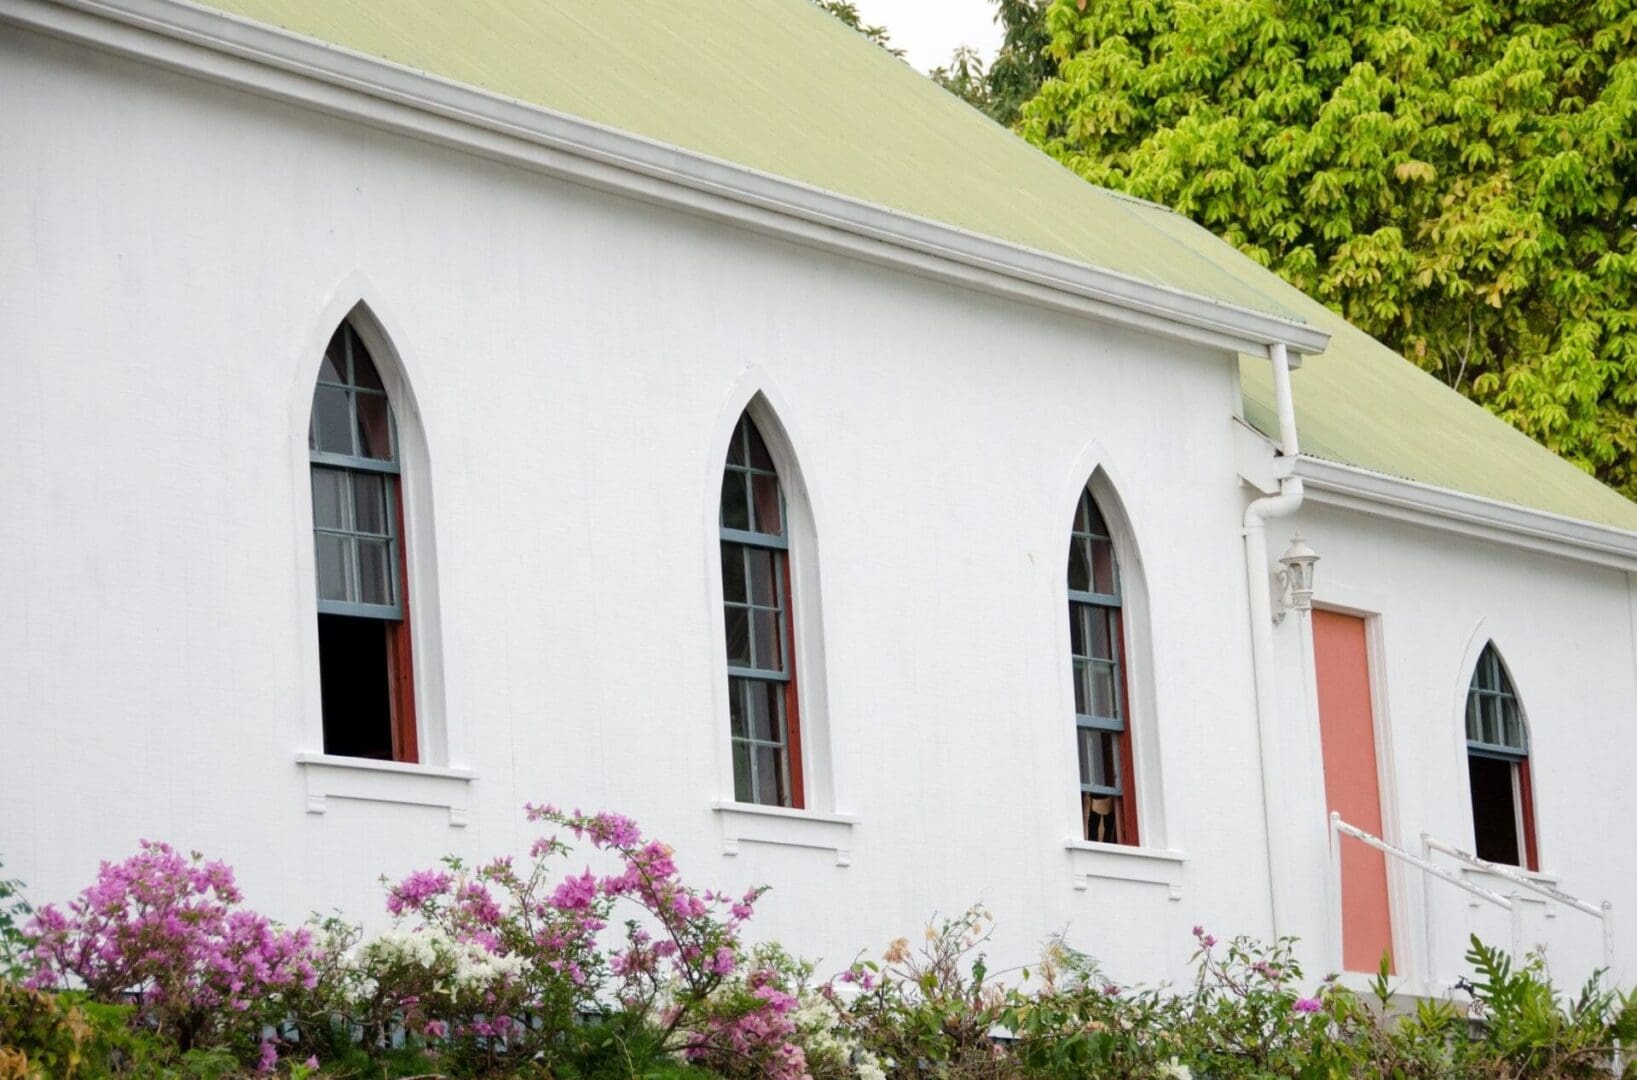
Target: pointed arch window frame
344, 386
1087, 606
777, 605
1492, 706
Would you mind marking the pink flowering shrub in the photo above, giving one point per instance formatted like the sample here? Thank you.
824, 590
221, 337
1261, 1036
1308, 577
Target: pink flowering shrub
166, 933
510, 961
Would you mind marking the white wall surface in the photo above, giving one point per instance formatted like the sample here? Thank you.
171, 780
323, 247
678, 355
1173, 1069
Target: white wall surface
173, 256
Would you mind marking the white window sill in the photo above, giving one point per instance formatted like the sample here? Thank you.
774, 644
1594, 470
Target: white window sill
752, 823
329, 777
1117, 862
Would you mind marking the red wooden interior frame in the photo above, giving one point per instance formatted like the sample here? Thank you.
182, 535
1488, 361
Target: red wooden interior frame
400, 653
1128, 770
792, 712
1526, 794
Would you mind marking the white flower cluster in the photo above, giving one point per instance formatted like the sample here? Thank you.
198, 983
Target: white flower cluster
823, 1039
467, 966
476, 968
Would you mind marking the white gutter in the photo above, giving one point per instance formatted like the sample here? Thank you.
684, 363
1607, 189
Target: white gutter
247, 55
1281, 854
1472, 516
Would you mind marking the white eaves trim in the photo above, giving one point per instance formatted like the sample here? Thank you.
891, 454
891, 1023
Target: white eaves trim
247, 55
1411, 501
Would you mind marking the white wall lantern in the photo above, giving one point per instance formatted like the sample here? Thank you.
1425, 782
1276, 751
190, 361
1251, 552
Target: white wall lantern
1296, 579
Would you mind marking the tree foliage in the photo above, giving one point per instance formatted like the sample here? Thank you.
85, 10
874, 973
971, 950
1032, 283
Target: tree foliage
848, 13
1019, 67
1454, 176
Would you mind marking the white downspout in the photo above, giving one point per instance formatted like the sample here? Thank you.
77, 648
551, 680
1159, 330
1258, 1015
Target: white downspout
1285, 503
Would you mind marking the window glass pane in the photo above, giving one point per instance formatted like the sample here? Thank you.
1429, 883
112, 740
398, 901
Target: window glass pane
375, 571
759, 457
739, 691
333, 368
1097, 758
334, 567
764, 709
1094, 517
769, 653
329, 499
1079, 565
764, 566
1100, 690
1492, 719
736, 445
369, 501
770, 785
1103, 576
743, 791
331, 427
733, 573
1082, 513
1080, 698
363, 368
1077, 629
764, 492
1474, 726
1100, 632
374, 427
735, 503
1512, 725
738, 635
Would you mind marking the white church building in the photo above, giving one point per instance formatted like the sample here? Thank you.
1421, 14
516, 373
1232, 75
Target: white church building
408, 411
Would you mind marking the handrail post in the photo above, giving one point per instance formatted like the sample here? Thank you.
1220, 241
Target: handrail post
1338, 950
1430, 924
1517, 926
1608, 936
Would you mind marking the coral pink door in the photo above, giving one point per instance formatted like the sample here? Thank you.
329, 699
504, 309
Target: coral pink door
1347, 729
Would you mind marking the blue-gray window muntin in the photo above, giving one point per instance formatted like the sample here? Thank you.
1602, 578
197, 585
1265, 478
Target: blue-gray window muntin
1099, 684
756, 617
1494, 720
352, 442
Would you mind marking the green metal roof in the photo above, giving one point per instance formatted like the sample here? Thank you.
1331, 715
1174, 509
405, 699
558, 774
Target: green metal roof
782, 87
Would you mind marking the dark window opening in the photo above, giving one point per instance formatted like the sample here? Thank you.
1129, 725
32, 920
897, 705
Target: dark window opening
1494, 809
355, 672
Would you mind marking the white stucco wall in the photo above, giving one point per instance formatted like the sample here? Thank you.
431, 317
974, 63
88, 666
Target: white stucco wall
175, 256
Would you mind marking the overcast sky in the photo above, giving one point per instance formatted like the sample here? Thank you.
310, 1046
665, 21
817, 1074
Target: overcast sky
929, 30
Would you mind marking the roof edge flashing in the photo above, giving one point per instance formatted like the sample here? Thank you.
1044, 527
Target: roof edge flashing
1448, 510
241, 52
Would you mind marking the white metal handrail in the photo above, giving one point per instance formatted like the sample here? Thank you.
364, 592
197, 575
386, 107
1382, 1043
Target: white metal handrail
1513, 902
1340, 828
1603, 912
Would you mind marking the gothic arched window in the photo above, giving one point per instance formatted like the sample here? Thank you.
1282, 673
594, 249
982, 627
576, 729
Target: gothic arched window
764, 722
363, 602
1497, 743
1108, 806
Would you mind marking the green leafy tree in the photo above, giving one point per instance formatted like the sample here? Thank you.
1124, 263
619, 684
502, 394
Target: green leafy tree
848, 13
1019, 68
1454, 176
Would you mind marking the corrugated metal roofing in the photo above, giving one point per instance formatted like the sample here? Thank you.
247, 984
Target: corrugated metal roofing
782, 87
